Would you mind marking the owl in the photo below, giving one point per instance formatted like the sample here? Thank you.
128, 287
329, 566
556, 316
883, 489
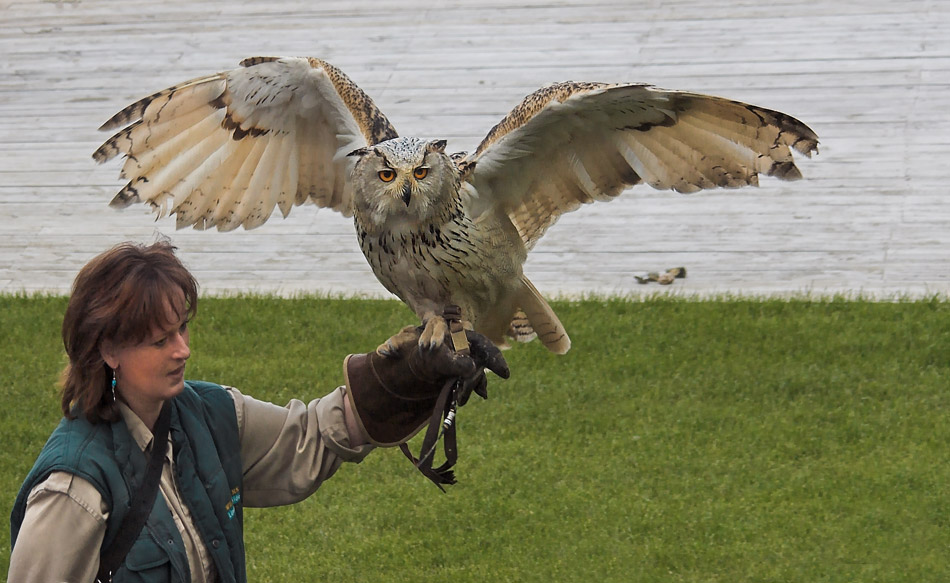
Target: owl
437, 229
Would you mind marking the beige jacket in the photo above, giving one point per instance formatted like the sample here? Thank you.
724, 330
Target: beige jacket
287, 452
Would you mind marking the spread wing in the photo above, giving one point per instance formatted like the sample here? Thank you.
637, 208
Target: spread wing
225, 149
574, 143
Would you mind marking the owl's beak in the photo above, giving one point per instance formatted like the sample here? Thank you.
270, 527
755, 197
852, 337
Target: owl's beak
407, 193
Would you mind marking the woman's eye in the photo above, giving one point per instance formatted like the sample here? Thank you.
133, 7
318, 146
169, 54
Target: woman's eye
420, 173
387, 175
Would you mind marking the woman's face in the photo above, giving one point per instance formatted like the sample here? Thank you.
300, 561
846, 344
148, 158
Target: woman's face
153, 370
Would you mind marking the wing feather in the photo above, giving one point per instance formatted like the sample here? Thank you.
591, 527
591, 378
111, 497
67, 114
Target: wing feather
159, 175
178, 100
182, 152
253, 211
199, 208
224, 150
158, 135
318, 155
288, 192
570, 144
226, 214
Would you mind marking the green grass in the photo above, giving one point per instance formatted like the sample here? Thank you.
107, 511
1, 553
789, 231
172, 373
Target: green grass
702, 441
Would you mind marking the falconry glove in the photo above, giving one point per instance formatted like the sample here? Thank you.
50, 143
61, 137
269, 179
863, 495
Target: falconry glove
404, 386
395, 389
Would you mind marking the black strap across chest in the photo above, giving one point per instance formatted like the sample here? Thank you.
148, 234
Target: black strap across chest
143, 498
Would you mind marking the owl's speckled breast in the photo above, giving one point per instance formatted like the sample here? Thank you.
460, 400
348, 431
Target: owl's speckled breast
432, 266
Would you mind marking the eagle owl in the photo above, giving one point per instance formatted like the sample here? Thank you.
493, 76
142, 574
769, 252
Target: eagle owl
225, 150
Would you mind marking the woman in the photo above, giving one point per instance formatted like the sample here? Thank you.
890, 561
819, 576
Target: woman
126, 335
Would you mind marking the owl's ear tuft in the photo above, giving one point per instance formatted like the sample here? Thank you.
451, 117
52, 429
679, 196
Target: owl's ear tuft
436, 146
360, 152
466, 168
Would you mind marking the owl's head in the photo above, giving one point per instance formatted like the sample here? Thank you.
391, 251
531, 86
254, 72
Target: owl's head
408, 178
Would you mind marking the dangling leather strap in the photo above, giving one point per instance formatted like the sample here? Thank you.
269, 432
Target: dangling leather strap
444, 408
442, 423
142, 501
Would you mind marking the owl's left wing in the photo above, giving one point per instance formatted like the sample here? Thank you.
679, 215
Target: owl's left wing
226, 149
574, 143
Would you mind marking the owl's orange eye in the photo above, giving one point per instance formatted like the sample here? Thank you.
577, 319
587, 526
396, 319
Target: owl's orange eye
420, 173
387, 175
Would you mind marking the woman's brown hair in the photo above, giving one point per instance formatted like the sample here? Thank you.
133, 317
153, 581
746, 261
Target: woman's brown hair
120, 297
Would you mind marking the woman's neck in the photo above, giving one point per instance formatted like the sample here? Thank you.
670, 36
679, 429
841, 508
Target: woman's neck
145, 409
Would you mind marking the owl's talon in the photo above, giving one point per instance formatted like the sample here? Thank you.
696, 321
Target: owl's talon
386, 349
433, 333
390, 348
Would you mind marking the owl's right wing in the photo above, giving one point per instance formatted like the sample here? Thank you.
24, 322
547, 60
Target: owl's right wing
224, 150
574, 143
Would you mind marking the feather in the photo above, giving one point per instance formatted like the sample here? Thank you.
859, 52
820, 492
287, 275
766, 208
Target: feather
288, 193
169, 163
543, 320
207, 194
197, 91
520, 328
226, 216
258, 201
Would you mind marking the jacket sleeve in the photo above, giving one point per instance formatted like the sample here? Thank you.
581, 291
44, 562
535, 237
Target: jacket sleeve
62, 531
287, 452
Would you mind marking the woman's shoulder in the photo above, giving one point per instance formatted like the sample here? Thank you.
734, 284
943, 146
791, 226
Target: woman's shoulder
78, 437
205, 392
79, 448
204, 387
213, 399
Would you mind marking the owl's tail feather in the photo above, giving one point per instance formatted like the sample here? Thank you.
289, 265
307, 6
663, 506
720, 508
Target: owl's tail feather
543, 319
520, 328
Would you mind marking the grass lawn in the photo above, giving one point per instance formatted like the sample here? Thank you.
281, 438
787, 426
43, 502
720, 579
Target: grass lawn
702, 441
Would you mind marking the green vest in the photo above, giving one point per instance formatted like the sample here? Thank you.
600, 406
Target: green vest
207, 453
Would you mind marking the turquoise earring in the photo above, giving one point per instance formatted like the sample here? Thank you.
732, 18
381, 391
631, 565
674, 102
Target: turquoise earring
113, 386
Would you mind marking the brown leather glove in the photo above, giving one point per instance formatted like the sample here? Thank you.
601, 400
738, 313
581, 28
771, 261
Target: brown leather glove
394, 390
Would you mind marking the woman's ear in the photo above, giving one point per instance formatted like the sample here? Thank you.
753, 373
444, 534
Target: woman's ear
109, 354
